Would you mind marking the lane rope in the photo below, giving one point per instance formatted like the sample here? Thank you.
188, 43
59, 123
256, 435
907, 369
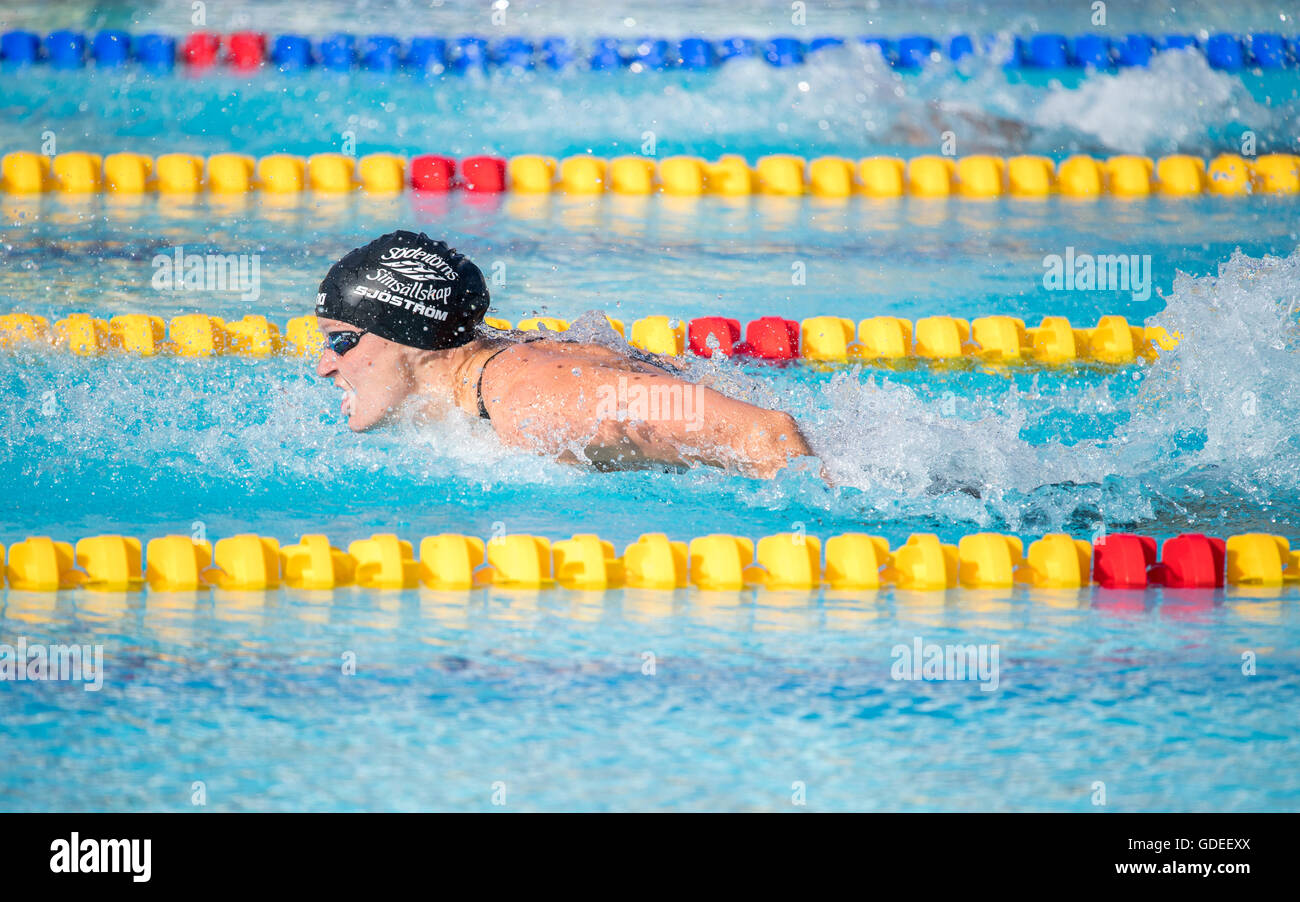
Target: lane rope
785, 561
250, 51
975, 176
821, 339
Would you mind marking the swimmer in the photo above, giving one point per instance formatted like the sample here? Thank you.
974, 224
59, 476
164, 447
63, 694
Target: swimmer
402, 321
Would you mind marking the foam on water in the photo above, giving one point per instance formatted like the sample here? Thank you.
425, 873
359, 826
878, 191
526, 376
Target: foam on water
1220, 403
1176, 103
1232, 386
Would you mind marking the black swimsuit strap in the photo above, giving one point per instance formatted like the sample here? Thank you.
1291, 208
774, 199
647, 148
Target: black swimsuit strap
482, 408
641, 356
634, 353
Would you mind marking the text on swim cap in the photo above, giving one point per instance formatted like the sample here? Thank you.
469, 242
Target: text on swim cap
414, 291
410, 304
419, 264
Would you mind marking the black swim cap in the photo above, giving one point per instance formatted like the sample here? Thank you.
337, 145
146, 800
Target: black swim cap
409, 289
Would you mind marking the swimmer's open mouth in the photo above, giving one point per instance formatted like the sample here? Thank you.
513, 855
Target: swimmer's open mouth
348, 406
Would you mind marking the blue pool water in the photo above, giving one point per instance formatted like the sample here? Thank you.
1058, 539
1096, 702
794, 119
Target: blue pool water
547, 692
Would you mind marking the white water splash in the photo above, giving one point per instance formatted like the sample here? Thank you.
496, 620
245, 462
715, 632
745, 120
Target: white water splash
1222, 403
1235, 376
1174, 103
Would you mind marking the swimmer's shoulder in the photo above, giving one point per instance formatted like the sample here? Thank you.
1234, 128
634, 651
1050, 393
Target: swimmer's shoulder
507, 363
531, 355
629, 358
551, 350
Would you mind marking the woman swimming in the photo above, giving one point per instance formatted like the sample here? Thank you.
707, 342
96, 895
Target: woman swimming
402, 319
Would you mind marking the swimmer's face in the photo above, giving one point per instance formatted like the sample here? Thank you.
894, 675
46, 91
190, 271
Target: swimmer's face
376, 375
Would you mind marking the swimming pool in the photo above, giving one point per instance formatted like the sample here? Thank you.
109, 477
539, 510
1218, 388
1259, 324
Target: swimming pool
744, 694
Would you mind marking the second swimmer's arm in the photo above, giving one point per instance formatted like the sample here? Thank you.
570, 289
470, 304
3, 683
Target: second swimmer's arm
620, 417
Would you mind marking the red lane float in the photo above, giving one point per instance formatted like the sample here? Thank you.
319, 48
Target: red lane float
1120, 561
725, 333
483, 174
771, 338
767, 338
201, 48
1191, 561
431, 172
1188, 561
246, 49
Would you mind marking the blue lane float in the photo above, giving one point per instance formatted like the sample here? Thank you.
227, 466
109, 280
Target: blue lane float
884, 45
823, 42
1046, 51
737, 48
1268, 51
156, 52
381, 53
915, 51
472, 54
1135, 50
338, 52
20, 48
1090, 51
784, 52
111, 48
653, 53
696, 53
67, 49
1224, 52
557, 53
428, 55
960, 45
605, 54
291, 52
513, 53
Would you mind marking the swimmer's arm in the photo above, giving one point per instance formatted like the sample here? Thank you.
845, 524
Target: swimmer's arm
597, 409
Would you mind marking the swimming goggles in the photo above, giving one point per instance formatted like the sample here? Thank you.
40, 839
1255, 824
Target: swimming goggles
342, 342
